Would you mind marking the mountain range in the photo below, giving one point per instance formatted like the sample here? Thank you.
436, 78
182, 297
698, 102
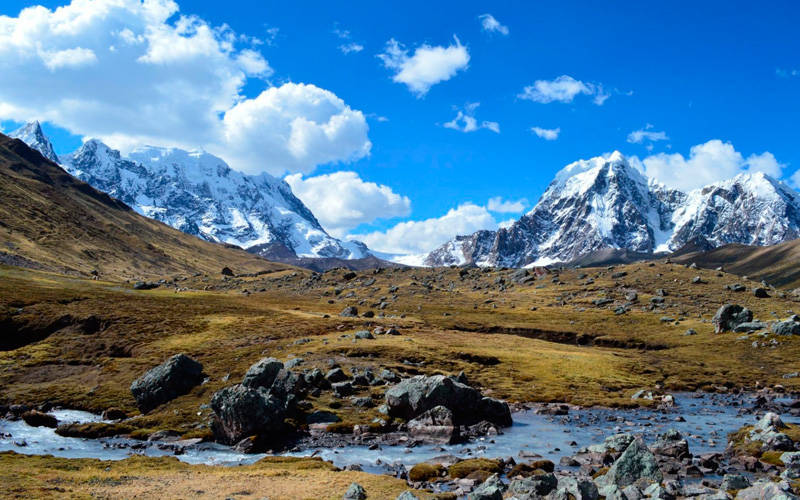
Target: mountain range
199, 194
606, 203
596, 210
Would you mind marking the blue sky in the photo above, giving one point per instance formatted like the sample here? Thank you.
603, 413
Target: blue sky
685, 73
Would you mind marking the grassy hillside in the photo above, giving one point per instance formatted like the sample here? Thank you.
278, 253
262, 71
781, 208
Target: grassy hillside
779, 264
50, 220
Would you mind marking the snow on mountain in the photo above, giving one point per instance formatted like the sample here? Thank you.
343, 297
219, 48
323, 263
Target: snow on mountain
605, 203
32, 135
200, 194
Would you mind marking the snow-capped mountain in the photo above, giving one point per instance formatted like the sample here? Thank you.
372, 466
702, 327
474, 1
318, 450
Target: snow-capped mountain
200, 194
605, 203
32, 135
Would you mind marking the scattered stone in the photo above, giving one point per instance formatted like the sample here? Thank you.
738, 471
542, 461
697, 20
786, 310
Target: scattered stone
175, 377
690, 331
364, 335
227, 271
734, 482
491, 489
760, 293
355, 491
730, 315
534, 486
764, 489
336, 375
788, 327
635, 463
349, 312
36, 418
262, 373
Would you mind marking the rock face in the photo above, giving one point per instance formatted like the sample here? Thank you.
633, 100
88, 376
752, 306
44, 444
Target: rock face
729, 316
414, 396
636, 462
243, 411
199, 194
175, 377
32, 135
262, 374
605, 203
435, 425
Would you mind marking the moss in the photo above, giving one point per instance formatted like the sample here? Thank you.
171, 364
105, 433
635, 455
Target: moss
340, 428
93, 430
531, 469
466, 467
600, 472
425, 472
772, 457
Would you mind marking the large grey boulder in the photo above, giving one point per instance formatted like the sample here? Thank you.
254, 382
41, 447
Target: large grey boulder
535, 486
175, 377
491, 489
764, 489
768, 431
671, 444
577, 488
414, 396
262, 373
615, 442
729, 316
242, 411
637, 462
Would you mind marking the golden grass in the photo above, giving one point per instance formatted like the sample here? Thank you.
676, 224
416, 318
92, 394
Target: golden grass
166, 477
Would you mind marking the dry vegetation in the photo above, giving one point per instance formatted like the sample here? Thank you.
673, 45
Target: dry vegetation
542, 341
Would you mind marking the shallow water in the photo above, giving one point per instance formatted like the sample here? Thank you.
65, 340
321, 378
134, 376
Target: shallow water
708, 420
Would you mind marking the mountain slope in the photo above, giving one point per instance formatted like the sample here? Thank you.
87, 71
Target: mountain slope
201, 195
606, 204
776, 264
56, 222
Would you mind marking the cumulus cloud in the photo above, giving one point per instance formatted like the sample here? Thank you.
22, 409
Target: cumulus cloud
342, 200
294, 127
417, 237
562, 89
428, 65
130, 72
548, 134
707, 163
498, 204
492, 25
646, 135
465, 120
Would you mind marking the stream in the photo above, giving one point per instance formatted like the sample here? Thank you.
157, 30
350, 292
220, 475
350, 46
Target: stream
703, 419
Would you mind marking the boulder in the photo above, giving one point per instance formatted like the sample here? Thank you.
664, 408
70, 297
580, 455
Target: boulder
760, 293
764, 489
407, 495
364, 335
355, 491
242, 411
734, 482
636, 463
616, 442
578, 488
534, 486
671, 444
336, 375
789, 327
730, 315
414, 396
175, 377
491, 489
349, 312
768, 432
36, 418
749, 326
262, 373
342, 389
435, 426
286, 384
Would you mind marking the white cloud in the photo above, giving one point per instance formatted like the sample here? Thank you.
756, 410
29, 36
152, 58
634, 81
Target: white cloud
707, 163
562, 89
465, 120
342, 200
293, 128
417, 237
646, 134
498, 204
68, 58
548, 134
489, 23
352, 47
428, 65
130, 72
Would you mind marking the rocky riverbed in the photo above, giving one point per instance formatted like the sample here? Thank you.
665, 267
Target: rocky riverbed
686, 439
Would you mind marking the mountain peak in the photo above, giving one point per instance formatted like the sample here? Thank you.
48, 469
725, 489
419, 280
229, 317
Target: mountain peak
32, 134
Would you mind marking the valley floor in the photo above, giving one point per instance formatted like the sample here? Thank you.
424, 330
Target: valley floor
577, 336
